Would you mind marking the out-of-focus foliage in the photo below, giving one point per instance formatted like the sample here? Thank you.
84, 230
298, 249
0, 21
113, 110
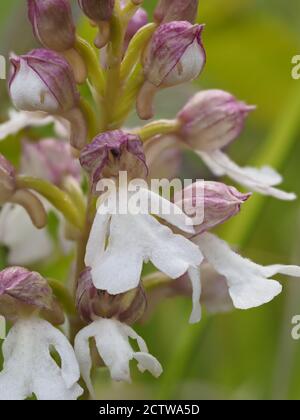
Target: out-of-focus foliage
250, 354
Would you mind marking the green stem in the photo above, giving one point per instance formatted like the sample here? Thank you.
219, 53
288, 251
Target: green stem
95, 72
113, 85
157, 128
129, 95
58, 198
90, 118
135, 49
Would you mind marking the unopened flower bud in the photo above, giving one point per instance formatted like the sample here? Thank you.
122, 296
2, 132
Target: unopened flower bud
170, 10
22, 291
174, 55
100, 12
92, 303
43, 81
52, 23
112, 152
212, 119
7, 180
50, 159
139, 19
215, 201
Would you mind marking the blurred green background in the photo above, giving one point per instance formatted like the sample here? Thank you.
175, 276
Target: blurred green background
240, 355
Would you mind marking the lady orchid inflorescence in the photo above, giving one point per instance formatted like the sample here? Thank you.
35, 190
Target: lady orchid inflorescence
87, 190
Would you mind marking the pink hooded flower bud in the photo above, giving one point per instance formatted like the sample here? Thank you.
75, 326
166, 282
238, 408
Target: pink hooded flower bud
112, 152
43, 81
92, 303
212, 119
174, 55
170, 10
52, 23
50, 159
100, 12
216, 201
23, 290
139, 19
7, 180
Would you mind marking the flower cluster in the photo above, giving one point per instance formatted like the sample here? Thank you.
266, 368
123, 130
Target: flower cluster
75, 174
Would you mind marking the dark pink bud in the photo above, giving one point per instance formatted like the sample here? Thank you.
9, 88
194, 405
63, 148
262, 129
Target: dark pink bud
52, 23
92, 303
170, 10
97, 10
212, 119
100, 12
112, 152
50, 159
24, 287
7, 180
43, 81
217, 203
174, 55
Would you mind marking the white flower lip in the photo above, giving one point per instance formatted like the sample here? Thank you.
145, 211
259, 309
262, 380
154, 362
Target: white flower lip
112, 341
248, 283
117, 268
29, 368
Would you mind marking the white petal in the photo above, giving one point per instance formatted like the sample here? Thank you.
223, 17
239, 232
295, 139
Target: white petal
137, 239
247, 281
69, 366
29, 367
112, 340
259, 180
147, 362
82, 351
167, 210
96, 243
19, 120
36, 96
195, 277
25, 242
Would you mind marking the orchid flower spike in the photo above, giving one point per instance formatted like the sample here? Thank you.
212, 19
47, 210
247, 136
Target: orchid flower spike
112, 341
43, 81
175, 55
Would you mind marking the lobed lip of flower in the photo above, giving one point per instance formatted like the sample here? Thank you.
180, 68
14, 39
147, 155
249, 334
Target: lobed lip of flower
27, 287
96, 155
97, 10
213, 118
54, 71
52, 23
170, 40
